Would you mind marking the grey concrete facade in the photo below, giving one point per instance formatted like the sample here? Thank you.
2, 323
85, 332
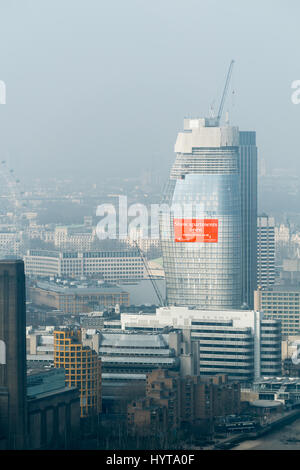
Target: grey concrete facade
54, 420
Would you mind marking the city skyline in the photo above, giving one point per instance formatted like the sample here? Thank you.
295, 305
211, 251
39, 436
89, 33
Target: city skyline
149, 227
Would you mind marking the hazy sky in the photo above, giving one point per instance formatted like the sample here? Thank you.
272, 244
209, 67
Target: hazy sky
100, 87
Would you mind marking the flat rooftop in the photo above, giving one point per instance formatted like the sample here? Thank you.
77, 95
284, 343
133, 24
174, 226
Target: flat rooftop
78, 288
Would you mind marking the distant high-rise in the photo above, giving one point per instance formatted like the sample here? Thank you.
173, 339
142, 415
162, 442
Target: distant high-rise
265, 251
248, 179
13, 409
201, 236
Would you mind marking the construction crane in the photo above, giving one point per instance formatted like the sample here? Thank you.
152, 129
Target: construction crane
225, 92
215, 121
155, 287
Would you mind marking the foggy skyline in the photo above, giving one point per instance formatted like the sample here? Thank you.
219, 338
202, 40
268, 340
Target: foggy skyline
101, 88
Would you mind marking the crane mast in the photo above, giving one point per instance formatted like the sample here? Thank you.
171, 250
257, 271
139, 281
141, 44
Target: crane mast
224, 93
215, 121
145, 262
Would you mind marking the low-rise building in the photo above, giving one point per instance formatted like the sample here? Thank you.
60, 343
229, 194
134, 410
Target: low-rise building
39, 345
112, 265
98, 320
53, 411
75, 298
282, 389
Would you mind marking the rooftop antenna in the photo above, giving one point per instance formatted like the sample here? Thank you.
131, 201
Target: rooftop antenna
227, 118
212, 110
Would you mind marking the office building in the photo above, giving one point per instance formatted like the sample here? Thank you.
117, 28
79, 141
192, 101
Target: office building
238, 343
112, 266
282, 304
13, 404
265, 251
270, 348
82, 366
201, 223
127, 358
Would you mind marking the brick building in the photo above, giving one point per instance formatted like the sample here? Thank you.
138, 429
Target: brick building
189, 400
146, 417
164, 387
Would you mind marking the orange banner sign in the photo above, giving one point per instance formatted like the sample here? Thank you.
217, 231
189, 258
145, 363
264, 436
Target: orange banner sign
196, 230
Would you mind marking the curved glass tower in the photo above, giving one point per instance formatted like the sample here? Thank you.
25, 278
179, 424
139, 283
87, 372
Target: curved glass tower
200, 221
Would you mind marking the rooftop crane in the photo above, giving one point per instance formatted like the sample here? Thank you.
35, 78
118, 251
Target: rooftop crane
225, 92
215, 121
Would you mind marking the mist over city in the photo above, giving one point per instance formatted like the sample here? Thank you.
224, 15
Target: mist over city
149, 228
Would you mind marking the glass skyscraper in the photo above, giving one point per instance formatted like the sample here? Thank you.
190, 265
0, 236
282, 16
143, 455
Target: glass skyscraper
201, 220
248, 179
